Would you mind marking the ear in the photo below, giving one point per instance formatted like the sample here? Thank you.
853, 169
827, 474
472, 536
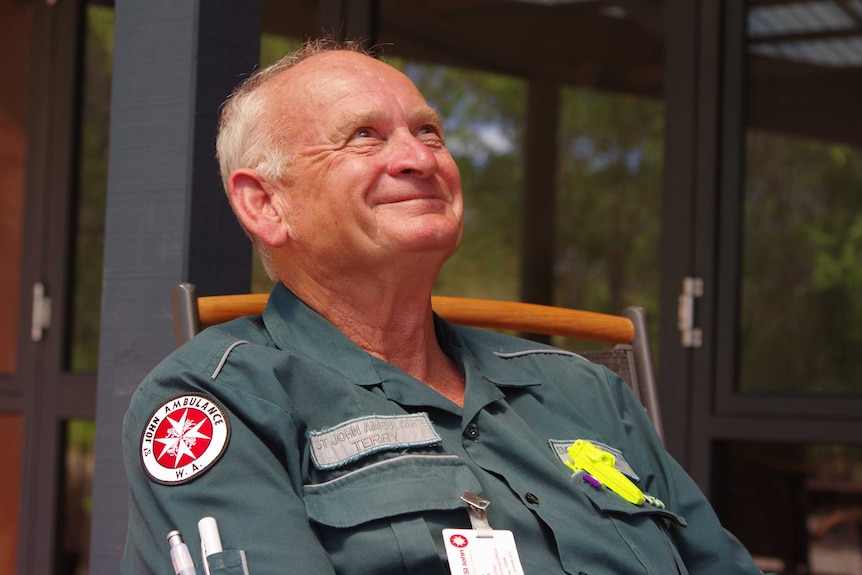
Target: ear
259, 206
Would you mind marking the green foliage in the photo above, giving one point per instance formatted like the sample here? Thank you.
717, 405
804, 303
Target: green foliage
801, 314
610, 183
273, 47
81, 434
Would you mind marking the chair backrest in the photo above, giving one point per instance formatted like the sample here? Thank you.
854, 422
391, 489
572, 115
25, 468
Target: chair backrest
630, 356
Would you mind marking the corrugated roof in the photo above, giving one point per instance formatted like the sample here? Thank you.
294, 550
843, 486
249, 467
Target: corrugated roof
820, 32
797, 17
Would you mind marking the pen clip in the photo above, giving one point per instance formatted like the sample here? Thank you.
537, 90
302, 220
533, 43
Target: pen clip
204, 559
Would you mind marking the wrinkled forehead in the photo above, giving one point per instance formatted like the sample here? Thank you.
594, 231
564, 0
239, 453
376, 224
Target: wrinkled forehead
322, 79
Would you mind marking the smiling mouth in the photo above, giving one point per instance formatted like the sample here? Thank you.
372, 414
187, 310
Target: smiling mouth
407, 199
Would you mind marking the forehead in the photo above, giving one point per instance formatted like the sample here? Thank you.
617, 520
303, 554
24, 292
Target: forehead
343, 80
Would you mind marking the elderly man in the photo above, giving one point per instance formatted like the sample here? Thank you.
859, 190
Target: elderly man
347, 427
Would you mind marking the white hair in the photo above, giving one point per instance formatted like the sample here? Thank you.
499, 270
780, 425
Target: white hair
248, 138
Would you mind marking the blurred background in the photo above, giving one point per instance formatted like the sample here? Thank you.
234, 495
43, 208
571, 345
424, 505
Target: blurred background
699, 158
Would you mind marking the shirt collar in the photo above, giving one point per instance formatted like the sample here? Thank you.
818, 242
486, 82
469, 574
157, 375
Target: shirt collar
297, 328
481, 349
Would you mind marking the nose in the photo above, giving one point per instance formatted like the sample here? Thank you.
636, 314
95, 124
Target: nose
409, 155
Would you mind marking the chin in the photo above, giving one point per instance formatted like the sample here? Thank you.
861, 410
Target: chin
432, 240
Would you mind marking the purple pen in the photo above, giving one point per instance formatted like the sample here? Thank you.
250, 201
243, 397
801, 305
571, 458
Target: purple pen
591, 480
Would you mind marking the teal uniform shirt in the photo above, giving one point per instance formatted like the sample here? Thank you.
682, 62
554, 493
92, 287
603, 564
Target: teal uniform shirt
316, 457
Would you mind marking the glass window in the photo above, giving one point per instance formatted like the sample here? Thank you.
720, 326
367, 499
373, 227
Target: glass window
609, 220
797, 508
91, 188
801, 293
73, 546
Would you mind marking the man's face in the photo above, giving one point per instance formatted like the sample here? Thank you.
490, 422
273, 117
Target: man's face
369, 176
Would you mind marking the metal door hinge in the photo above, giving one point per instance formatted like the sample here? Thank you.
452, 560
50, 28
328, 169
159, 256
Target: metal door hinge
690, 336
41, 312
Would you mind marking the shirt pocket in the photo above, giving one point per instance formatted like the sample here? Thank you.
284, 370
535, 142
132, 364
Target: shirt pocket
645, 529
228, 562
368, 517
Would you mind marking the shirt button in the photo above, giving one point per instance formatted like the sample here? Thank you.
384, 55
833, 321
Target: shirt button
531, 498
471, 431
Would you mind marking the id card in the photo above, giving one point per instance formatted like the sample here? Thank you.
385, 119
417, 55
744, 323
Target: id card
469, 554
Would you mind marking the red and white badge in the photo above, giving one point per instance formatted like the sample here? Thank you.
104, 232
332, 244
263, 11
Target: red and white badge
471, 554
183, 438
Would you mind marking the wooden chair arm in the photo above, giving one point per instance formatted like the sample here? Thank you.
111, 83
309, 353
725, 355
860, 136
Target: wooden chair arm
516, 316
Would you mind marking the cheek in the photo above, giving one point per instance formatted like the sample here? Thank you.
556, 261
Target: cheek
350, 179
332, 190
450, 173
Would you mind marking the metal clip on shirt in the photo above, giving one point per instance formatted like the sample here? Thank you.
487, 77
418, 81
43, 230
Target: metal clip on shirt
481, 549
478, 514
600, 464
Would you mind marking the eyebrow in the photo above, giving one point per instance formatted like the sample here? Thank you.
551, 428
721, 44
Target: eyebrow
429, 115
425, 115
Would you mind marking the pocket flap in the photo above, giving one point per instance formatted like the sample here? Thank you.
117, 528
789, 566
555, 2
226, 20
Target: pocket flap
404, 484
607, 501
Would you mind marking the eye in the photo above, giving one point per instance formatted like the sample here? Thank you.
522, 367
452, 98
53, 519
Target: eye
430, 133
362, 133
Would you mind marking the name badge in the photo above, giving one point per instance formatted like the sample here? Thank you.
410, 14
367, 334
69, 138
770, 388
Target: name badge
470, 554
354, 439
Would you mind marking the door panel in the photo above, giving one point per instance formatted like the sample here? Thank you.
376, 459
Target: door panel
791, 173
39, 393
779, 427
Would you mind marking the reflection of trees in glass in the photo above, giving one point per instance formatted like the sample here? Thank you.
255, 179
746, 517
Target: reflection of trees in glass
610, 176
75, 512
611, 170
91, 189
801, 312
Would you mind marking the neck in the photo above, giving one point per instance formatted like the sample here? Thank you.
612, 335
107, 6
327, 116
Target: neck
390, 318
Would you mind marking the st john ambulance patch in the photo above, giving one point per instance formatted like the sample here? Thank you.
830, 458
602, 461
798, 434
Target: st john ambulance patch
183, 438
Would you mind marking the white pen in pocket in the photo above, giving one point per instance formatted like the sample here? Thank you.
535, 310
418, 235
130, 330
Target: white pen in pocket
211, 544
210, 540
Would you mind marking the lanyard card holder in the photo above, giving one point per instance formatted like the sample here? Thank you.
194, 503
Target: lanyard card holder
481, 550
